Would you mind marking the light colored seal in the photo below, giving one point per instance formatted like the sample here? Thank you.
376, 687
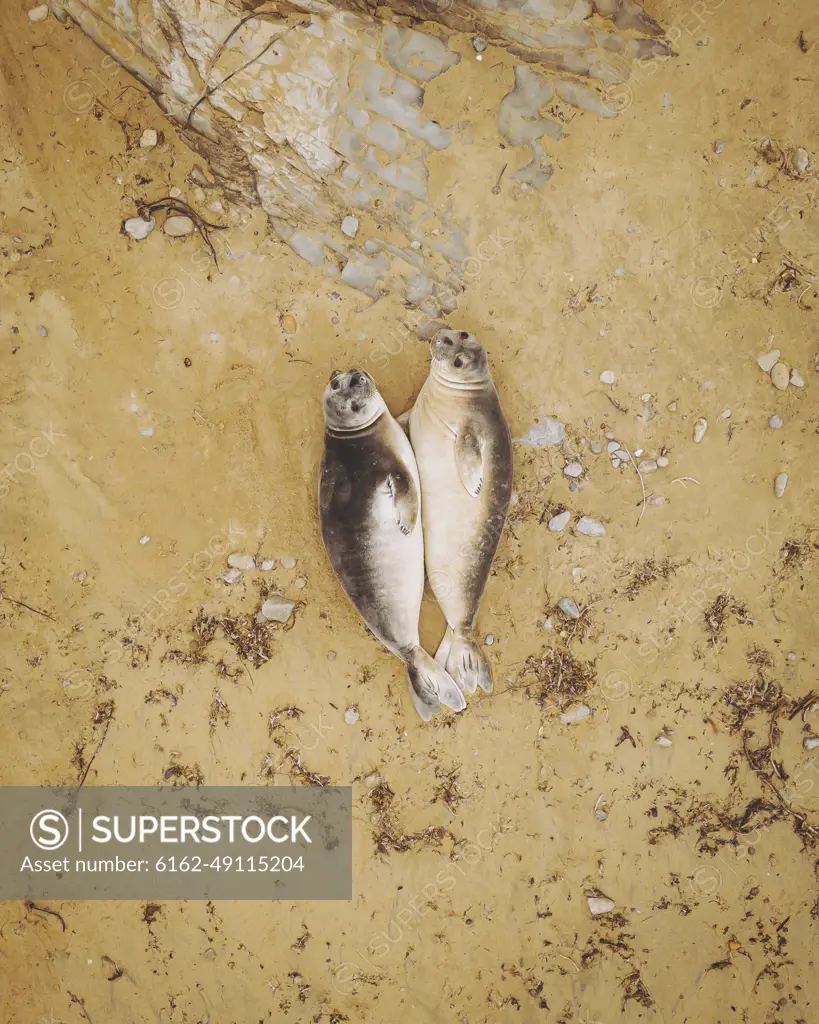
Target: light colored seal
370, 508
464, 452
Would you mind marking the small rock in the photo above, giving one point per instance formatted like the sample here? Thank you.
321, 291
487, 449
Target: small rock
699, 429
38, 13
149, 138
489, 639
277, 608
780, 483
573, 469
600, 905
144, 540
719, 147
300, 583
138, 228
622, 455
351, 715
175, 192
543, 435
726, 413
797, 379
768, 361
607, 377
601, 814
638, 452
288, 323
657, 499
576, 714
558, 523
799, 158
478, 44
616, 463
775, 422
612, 446
350, 226
569, 608
231, 576
648, 466
596, 447
780, 376
288, 563
178, 226
267, 564
664, 740
672, 407
42, 331
242, 562
146, 431
590, 527
810, 742
662, 461
667, 100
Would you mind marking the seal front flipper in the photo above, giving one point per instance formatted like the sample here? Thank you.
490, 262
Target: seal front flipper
469, 460
431, 686
404, 500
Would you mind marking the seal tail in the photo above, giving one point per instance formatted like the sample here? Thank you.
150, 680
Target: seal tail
430, 686
465, 661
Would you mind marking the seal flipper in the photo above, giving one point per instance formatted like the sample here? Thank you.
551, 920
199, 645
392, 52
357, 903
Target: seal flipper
469, 460
430, 685
467, 664
404, 500
442, 654
404, 418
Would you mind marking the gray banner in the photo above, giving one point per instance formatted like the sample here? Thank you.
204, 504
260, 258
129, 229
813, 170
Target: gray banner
143, 843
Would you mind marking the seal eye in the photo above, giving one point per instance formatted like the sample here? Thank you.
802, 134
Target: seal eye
464, 336
458, 362
357, 381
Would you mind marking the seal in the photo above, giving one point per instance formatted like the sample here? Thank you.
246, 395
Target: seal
464, 453
370, 510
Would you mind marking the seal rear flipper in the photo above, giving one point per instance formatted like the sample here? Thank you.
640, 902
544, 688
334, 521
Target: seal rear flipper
442, 654
467, 664
431, 686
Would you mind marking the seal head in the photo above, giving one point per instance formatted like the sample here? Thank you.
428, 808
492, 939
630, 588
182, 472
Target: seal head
351, 401
459, 359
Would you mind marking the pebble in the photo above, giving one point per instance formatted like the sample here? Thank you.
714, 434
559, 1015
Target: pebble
590, 527
178, 226
543, 435
612, 446
42, 331
576, 714
267, 564
573, 469
667, 102
662, 461
726, 413
288, 563
479, 44
149, 138
601, 814
144, 540
663, 740
607, 377
800, 158
569, 608
288, 322
146, 431
797, 379
622, 455
231, 576
558, 523
648, 466
810, 742
242, 562
657, 499
300, 583
615, 463
780, 483
350, 226
489, 639
699, 429
600, 905
351, 715
769, 360
780, 376
138, 228
277, 608
596, 447
38, 13
719, 147
672, 406
775, 422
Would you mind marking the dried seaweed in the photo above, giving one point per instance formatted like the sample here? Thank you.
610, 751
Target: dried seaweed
559, 676
388, 834
635, 988
643, 574
447, 791
716, 617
